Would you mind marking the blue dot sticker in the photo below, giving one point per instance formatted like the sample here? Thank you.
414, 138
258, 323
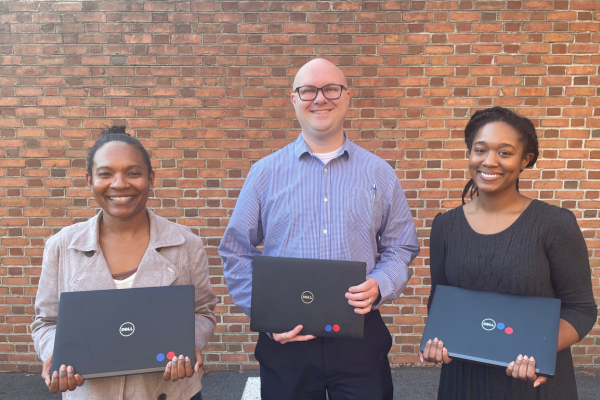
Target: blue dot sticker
160, 357
500, 326
328, 328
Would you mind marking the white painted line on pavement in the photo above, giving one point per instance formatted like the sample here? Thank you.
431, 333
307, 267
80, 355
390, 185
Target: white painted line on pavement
252, 389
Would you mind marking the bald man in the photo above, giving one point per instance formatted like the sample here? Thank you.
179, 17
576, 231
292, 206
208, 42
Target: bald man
323, 197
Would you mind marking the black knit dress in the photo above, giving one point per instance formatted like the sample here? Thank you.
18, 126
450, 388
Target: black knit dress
542, 253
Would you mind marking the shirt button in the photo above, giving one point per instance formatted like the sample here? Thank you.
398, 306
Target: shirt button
324, 230
325, 199
325, 170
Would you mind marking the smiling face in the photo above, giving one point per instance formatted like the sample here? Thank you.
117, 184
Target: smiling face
120, 181
321, 119
496, 158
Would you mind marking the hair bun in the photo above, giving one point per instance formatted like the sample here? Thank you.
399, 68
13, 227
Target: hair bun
115, 130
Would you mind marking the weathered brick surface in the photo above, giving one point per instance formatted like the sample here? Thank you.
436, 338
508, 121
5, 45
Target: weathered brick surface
205, 86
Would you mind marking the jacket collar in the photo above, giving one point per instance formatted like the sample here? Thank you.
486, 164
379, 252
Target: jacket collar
153, 270
88, 237
301, 147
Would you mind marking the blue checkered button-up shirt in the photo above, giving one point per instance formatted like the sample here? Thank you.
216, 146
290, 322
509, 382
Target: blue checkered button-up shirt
350, 209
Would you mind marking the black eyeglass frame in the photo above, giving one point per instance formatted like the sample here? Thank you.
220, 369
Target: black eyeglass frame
342, 88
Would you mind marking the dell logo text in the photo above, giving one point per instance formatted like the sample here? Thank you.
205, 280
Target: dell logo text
488, 324
127, 329
307, 297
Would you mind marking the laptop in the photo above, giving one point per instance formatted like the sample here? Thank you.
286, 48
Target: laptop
287, 292
104, 333
494, 328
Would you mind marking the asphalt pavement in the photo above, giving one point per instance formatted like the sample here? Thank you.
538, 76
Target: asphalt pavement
419, 383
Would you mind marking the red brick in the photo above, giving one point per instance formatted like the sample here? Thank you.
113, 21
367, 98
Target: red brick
137, 38
535, 48
10, 60
95, 60
299, 28
75, 71
66, 7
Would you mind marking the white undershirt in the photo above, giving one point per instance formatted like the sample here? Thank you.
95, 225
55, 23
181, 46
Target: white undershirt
125, 283
326, 157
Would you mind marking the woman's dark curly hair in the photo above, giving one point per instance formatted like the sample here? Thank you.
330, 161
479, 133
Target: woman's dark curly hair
116, 134
520, 124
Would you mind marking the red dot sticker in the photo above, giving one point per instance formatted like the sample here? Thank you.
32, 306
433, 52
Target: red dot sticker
170, 355
336, 328
508, 331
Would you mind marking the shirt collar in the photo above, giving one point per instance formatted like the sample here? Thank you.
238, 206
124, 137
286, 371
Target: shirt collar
302, 148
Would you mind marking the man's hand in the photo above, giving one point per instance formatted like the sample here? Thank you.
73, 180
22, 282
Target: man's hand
363, 296
62, 380
292, 336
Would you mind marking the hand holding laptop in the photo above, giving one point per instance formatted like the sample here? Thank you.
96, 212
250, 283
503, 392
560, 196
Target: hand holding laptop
62, 380
524, 369
292, 336
363, 296
435, 351
180, 368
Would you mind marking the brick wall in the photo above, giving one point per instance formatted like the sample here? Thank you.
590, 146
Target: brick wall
205, 86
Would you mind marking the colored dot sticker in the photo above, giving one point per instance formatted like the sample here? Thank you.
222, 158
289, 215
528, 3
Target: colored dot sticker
509, 330
500, 326
160, 357
336, 328
328, 328
170, 355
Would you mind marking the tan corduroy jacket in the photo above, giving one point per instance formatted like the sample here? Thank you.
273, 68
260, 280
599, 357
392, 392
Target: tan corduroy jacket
73, 261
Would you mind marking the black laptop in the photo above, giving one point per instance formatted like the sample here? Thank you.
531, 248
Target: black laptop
116, 332
494, 328
287, 292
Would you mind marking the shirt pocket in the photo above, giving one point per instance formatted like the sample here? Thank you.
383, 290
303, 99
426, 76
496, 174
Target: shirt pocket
359, 210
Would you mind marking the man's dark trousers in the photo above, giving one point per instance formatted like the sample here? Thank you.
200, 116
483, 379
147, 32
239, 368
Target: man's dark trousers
348, 369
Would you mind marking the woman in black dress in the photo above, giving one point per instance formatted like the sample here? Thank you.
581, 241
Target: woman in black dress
502, 241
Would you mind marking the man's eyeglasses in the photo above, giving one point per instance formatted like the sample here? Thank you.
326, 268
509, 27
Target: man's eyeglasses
330, 92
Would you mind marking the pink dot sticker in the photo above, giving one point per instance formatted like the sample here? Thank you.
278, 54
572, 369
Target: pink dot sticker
509, 330
336, 328
170, 355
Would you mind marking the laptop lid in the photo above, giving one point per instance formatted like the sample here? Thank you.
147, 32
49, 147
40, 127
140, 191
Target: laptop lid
117, 332
494, 328
287, 292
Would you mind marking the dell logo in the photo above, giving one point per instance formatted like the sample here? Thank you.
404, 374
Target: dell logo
488, 324
127, 329
307, 297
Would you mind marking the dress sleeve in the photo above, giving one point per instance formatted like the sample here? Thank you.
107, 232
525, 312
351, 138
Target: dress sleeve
437, 255
570, 272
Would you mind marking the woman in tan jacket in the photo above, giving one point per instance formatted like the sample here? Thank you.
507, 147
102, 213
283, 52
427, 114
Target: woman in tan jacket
125, 245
